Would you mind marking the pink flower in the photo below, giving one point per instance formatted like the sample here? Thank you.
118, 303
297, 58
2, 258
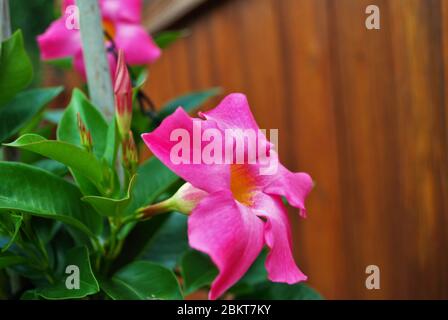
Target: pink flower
243, 209
121, 20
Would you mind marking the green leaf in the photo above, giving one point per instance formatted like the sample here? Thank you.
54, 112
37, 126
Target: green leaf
10, 226
68, 126
63, 63
153, 178
110, 207
52, 166
281, 291
25, 188
142, 280
69, 154
54, 115
169, 243
165, 39
8, 259
88, 285
22, 108
198, 271
16, 71
68, 131
112, 143
30, 295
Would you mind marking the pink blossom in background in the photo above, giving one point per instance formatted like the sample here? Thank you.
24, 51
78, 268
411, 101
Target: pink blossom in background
240, 210
122, 21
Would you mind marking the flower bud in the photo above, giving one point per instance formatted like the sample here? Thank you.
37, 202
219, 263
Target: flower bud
184, 201
130, 154
84, 134
123, 96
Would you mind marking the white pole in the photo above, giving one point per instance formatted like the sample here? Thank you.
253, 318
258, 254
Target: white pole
95, 59
5, 23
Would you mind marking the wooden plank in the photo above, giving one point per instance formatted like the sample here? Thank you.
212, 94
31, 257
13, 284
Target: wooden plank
161, 13
365, 112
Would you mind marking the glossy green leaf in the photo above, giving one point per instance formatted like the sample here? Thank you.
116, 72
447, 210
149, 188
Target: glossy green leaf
71, 155
30, 295
54, 115
142, 280
153, 178
169, 242
68, 126
22, 108
10, 226
198, 271
63, 63
16, 71
112, 143
25, 188
8, 259
52, 166
109, 207
166, 38
68, 131
88, 285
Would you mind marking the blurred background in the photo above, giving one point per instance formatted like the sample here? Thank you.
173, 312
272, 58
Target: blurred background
363, 111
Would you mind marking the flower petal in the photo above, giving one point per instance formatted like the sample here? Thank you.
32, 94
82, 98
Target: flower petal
137, 44
229, 233
232, 112
280, 262
295, 187
59, 42
208, 177
124, 11
67, 3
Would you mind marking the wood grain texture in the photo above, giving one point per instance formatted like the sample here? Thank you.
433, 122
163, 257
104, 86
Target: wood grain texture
161, 13
364, 112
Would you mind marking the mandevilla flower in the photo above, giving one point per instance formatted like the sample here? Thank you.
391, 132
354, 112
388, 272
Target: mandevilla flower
121, 22
242, 209
123, 96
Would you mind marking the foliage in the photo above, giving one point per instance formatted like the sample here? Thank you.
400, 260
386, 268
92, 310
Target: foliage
68, 204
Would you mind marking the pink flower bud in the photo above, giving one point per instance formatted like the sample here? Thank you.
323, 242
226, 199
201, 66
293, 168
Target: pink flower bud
183, 201
123, 96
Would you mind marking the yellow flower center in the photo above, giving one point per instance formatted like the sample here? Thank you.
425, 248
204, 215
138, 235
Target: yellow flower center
242, 184
109, 28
